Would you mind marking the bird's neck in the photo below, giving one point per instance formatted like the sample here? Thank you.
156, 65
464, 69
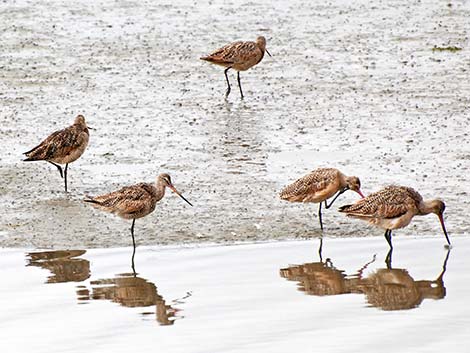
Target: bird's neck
160, 189
426, 207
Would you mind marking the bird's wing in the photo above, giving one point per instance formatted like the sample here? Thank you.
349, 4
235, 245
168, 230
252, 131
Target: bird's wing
390, 202
129, 199
311, 183
232, 53
59, 143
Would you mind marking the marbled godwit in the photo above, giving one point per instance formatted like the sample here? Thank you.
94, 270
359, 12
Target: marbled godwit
393, 207
62, 147
318, 186
239, 56
135, 201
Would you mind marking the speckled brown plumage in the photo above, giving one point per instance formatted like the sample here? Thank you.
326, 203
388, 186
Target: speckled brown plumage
239, 56
131, 202
394, 207
392, 201
62, 147
135, 201
320, 185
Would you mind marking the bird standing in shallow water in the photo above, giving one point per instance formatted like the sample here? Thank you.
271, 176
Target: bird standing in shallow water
239, 56
136, 201
320, 185
62, 147
393, 207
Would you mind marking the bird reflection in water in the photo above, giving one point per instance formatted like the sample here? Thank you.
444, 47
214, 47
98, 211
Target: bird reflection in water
131, 291
385, 288
64, 265
321, 278
394, 288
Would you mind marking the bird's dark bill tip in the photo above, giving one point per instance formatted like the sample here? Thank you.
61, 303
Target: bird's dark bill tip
189, 203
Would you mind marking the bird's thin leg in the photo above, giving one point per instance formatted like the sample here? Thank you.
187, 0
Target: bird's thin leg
65, 176
319, 216
388, 259
320, 248
388, 236
133, 243
58, 167
228, 82
337, 195
239, 84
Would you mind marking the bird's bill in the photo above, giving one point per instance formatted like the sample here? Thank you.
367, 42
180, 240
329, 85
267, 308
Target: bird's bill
179, 194
441, 219
90, 128
360, 193
268, 52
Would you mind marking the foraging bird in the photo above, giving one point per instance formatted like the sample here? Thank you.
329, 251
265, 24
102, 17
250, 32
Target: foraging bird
62, 147
318, 186
393, 207
136, 201
239, 56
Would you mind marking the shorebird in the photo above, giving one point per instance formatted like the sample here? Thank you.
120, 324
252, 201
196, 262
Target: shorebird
393, 207
239, 56
62, 147
320, 185
135, 201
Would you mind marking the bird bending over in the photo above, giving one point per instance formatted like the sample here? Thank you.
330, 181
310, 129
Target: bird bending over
62, 147
135, 201
394, 207
320, 185
239, 56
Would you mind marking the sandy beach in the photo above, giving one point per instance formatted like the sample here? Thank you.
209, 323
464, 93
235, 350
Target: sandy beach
270, 297
353, 85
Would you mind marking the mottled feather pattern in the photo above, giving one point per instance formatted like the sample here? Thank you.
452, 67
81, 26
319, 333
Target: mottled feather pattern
316, 180
234, 53
130, 201
390, 202
59, 144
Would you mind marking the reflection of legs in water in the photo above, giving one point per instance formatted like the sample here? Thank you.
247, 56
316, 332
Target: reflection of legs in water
320, 248
388, 236
133, 243
388, 259
363, 268
444, 266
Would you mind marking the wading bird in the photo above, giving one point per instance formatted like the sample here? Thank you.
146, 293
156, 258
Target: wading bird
393, 207
135, 201
239, 56
320, 185
62, 147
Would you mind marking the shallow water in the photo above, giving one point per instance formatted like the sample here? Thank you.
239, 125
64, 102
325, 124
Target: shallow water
272, 297
352, 84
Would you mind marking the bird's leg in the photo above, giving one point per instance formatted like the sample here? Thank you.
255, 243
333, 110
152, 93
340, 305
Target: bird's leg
388, 259
320, 248
133, 243
228, 82
388, 236
239, 84
65, 176
319, 216
337, 195
58, 167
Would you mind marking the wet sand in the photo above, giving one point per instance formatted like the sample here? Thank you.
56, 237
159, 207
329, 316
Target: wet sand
355, 85
272, 297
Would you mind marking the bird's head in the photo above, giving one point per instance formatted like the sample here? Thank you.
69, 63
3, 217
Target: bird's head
166, 180
353, 183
